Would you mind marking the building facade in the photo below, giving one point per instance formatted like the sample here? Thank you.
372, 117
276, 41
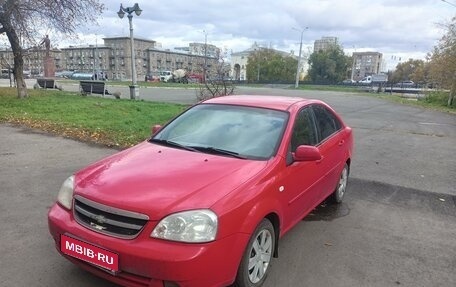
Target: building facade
113, 58
33, 60
120, 57
366, 64
170, 60
239, 61
87, 59
239, 64
201, 49
325, 43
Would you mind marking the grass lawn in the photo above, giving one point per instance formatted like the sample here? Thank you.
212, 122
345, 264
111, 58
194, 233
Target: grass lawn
117, 123
335, 88
436, 100
141, 84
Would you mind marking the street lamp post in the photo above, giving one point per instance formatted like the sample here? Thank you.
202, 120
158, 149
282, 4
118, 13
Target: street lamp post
205, 56
299, 57
134, 91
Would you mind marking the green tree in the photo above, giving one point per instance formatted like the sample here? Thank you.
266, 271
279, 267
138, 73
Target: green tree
443, 61
329, 66
414, 70
267, 65
21, 21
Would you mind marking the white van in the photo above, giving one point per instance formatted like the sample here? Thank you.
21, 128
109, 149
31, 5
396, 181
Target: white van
366, 80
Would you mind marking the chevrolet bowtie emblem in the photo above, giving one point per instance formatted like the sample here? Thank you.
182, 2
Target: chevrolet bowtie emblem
100, 219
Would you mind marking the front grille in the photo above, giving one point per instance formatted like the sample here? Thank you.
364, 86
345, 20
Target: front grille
108, 220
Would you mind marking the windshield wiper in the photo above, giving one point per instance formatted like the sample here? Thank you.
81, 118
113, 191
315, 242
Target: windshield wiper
214, 150
173, 144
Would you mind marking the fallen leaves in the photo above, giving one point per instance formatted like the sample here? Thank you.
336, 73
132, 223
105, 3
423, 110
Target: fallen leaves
77, 133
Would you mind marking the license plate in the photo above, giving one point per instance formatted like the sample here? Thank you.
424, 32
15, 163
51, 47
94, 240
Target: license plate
89, 253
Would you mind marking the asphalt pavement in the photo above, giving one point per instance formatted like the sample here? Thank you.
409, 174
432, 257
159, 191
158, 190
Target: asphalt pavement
396, 144
397, 225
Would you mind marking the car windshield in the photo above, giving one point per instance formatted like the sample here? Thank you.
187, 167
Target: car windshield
230, 130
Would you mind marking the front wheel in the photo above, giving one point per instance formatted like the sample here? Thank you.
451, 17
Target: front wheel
339, 192
257, 257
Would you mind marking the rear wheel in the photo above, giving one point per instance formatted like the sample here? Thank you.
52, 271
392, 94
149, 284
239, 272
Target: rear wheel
257, 257
338, 194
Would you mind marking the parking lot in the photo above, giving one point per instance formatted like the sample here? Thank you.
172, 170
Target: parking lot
396, 227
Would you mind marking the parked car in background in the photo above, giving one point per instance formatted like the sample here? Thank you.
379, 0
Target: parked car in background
366, 80
348, 82
6, 73
205, 201
195, 78
152, 77
64, 74
406, 84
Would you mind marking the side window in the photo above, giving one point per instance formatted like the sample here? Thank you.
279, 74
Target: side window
304, 132
326, 121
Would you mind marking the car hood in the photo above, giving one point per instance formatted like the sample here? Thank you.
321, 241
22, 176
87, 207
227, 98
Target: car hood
158, 180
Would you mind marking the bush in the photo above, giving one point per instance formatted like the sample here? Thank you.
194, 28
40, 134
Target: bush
213, 89
438, 98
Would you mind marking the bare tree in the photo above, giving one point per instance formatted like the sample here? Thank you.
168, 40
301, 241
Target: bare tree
217, 84
21, 21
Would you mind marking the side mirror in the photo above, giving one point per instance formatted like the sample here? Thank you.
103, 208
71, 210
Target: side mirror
306, 153
155, 129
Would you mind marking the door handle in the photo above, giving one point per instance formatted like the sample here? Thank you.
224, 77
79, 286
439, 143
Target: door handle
341, 142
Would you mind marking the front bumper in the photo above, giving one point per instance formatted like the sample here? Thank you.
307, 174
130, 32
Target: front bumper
146, 261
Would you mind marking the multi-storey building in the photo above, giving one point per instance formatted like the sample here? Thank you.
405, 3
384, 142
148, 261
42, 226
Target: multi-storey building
33, 59
201, 49
120, 57
113, 58
85, 58
325, 43
366, 64
169, 60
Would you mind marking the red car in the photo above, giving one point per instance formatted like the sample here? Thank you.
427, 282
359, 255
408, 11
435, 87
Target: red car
206, 199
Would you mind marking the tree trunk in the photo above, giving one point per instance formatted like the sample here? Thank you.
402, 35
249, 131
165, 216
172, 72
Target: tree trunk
18, 68
452, 91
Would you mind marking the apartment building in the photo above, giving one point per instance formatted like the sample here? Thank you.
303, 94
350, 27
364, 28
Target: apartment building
113, 58
366, 64
201, 49
325, 43
33, 59
86, 59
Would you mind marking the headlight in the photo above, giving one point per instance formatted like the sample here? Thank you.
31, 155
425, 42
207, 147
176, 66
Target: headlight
193, 226
65, 197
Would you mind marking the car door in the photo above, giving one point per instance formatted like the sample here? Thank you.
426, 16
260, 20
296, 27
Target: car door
300, 179
331, 144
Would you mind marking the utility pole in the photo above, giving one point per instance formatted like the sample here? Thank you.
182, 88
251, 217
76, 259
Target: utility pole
299, 57
205, 56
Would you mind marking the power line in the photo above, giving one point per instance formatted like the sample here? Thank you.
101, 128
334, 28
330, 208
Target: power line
452, 4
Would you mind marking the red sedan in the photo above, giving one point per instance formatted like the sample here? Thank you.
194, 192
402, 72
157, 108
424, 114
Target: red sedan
206, 199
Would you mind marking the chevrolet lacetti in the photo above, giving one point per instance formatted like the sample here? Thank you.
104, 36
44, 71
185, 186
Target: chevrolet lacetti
206, 199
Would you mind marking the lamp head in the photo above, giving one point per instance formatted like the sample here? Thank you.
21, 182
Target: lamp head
121, 12
137, 9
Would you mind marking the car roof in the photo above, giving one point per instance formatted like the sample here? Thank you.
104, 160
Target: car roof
269, 102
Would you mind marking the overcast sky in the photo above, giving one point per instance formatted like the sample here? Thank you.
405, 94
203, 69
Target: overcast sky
396, 28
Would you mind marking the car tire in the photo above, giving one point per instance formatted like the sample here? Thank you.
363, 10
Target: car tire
338, 195
257, 257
